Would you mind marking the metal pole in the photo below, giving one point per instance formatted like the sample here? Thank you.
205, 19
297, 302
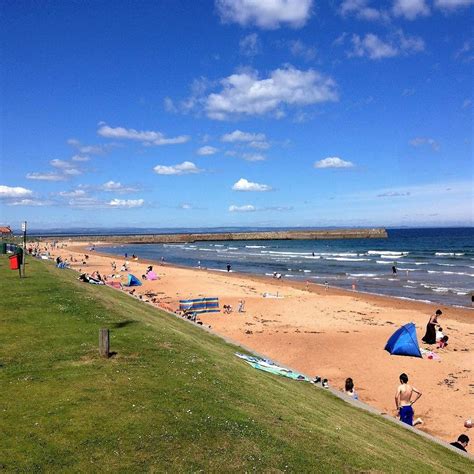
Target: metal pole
24, 247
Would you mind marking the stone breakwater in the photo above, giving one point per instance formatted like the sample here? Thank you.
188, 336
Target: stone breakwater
198, 237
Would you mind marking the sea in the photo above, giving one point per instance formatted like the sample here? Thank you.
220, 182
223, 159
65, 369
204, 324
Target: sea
432, 265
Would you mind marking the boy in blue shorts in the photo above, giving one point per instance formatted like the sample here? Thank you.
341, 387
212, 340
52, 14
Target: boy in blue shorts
404, 401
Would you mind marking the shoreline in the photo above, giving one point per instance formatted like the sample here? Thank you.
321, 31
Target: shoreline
299, 284
335, 333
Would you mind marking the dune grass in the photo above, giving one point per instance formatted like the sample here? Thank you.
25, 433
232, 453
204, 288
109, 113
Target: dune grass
173, 398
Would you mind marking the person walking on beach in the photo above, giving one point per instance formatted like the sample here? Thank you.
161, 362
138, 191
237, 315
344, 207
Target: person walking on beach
394, 269
241, 306
404, 402
228, 267
430, 335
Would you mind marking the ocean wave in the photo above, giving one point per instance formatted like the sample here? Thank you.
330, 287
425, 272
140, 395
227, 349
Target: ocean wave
452, 273
361, 274
409, 286
289, 254
386, 252
449, 254
233, 248
341, 254
383, 261
347, 259
255, 246
420, 263
407, 269
413, 299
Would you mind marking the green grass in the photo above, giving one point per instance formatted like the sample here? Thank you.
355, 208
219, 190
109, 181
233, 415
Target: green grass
173, 398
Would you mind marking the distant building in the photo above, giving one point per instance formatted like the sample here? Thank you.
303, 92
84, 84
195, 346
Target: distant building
5, 231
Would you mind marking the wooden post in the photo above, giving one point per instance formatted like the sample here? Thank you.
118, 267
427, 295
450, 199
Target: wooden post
104, 343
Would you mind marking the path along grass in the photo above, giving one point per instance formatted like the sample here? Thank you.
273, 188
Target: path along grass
173, 398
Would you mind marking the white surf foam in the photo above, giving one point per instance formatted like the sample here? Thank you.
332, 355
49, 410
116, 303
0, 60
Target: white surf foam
347, 259
387, 252
362, 274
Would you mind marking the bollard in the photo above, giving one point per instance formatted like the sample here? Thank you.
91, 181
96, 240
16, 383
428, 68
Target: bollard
104, 343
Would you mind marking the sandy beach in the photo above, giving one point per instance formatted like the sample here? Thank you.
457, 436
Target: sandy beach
327, 332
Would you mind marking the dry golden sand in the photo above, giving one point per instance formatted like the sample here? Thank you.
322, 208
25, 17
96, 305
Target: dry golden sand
332, 333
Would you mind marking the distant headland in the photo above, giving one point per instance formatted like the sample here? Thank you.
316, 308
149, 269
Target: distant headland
215, 236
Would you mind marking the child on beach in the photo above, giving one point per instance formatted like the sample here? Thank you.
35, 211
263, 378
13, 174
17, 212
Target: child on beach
349, 389
443, 342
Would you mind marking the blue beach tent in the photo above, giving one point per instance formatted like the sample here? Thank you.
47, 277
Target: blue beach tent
404, 342
133, 280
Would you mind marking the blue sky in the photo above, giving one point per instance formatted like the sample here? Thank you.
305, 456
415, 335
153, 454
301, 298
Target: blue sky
237, 113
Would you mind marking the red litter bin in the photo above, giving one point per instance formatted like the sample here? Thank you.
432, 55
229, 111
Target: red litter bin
14, 262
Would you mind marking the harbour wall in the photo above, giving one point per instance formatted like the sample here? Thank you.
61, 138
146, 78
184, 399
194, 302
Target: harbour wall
198, 237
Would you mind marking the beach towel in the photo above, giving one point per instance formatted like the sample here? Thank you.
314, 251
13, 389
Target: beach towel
429, 354
151, 275
270, 367
114, 284
200, 305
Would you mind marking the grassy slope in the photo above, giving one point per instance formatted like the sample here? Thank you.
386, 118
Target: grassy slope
173, 398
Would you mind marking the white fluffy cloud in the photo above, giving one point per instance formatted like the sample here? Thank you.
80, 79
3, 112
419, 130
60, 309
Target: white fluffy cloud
247, 94
115, 186
68, 168
239, 136
410, 9
333, 162
90, 149
14, 191
207, 150
267, 14
245, 208
146, 137
453, 4
73, 194
46, 176
244, 185
373, 47
80, 158
363, 10
61, 164
126, 203
187, 167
